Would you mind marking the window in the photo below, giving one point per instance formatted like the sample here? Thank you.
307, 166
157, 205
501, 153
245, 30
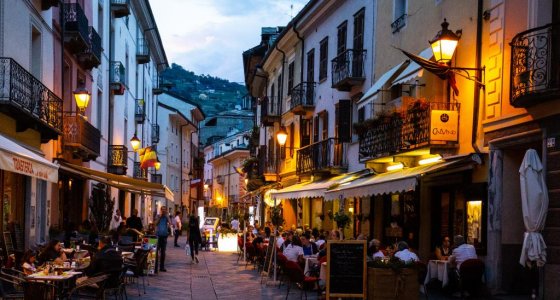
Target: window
305, 132
311, 65
358, 38
36, 53
399, 15
100, 111
323, 58
341, 37
291, 135
343, 117
325, 125
100, 21
361, 114
290, 78
278, 104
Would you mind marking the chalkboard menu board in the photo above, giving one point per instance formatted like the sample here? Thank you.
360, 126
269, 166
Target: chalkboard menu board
346, 269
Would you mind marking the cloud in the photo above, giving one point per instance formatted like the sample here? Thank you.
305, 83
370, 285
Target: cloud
208, 37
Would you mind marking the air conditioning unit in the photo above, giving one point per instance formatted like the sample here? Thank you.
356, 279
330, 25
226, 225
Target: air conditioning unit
220, 179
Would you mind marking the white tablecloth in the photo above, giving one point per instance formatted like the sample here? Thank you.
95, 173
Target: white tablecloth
309, 261
438, 269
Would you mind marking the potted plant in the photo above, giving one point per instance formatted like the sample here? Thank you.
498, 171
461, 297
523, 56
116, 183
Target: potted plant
342, 219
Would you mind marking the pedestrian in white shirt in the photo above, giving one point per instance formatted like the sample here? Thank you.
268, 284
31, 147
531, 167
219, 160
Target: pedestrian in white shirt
116, 220
404, 254
462, 253
235, 224
177, 226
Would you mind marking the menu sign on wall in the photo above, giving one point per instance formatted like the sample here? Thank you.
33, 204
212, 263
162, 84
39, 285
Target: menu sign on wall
444, 125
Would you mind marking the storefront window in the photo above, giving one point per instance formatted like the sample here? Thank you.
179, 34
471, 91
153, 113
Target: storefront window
13, 215
474, 222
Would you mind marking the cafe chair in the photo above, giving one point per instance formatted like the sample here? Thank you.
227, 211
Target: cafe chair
251, 255
117, 290
470, 276
11, 287
89, 288
135, 268
295, 275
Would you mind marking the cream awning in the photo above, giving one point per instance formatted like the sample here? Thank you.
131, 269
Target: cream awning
413, 70
316, 188
384, 79
120, 181
18, 159
398, 181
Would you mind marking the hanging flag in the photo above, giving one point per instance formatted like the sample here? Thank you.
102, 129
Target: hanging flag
239, 171
148, 157
440, 70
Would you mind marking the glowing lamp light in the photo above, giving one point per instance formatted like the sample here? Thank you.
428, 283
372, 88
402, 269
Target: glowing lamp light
429, 160
282, 136
394, 167
444, 44
82, 96
135, 142
157, 165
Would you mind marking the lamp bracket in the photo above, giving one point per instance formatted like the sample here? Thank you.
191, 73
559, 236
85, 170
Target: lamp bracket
467, 74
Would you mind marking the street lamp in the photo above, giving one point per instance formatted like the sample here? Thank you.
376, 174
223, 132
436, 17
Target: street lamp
444, 44
135, 142
82, 97
282, 136
157, 164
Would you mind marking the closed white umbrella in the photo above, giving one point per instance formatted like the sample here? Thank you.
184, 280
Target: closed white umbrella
534, 201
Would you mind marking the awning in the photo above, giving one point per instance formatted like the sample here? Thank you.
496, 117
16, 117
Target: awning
316, 188
18, 159
120, 181
398, 181
413, 70
384, 79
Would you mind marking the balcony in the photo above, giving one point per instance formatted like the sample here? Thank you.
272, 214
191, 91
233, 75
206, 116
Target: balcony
140, 110
117, 78
76, 29
270, 111
142, 51
81, 138
47, 4
413, 128
29, 102
326, 156
120, 8
118, 159
303, 98
348, 69
91, 58
157, 178
155, 133
534, 76
139, 173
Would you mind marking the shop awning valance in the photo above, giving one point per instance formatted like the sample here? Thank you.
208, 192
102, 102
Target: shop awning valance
398, 181
316, 188
16, 158
384, 79
120, 181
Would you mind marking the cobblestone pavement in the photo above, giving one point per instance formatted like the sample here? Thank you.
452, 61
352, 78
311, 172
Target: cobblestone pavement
218, 275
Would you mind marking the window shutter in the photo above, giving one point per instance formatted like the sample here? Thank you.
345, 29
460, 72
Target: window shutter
316, 129
344, 120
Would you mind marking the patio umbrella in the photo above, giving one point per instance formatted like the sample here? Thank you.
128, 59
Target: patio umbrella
534, 202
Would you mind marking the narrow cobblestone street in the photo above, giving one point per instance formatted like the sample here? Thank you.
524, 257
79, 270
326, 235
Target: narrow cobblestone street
217, 276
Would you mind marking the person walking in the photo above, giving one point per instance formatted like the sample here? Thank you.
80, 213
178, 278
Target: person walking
194, 237
163, 223
177, 226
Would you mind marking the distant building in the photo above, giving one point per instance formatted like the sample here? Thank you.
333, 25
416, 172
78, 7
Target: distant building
217, 127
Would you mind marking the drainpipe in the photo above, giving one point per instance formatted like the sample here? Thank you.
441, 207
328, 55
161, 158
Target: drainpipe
283, 73
477, 85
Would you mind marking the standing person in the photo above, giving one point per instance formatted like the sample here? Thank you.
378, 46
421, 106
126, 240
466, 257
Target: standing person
134, 221
194, 237
235, 224
116, 220
177, 226
162, 226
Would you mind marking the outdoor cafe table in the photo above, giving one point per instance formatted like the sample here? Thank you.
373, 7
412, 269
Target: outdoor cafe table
438, 269
310, 260
61, 283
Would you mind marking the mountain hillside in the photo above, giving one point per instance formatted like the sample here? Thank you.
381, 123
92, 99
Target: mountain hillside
213, 94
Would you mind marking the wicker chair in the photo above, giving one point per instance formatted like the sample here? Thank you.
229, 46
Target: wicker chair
135, 268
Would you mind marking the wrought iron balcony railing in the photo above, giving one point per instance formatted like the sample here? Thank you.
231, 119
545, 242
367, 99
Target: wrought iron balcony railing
398, 23
118, 159
140, 110
120, 8
348, 69
142, 51
155, 133
270, 110
80, 137
396, 133
117, 77
29, 101
76, 28
91, 58
328, 155
535, 77
140, 173
303, 97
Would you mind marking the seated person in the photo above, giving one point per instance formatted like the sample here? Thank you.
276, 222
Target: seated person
444, 250
309, 247
280, 239
374, 249
106, 261
28, 262
288, 240
404, 254
293, 251
53, 253
462, 253
320, 241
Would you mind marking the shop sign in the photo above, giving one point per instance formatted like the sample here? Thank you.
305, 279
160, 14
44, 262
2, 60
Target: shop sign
22, 165
269, 199
444, 125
